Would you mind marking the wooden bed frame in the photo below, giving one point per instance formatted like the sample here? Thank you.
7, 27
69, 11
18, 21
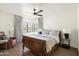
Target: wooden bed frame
37, 46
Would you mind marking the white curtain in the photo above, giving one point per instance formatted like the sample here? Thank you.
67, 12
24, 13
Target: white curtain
18, 32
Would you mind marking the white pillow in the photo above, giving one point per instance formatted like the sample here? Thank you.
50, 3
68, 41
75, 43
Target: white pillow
45, 32
54, 33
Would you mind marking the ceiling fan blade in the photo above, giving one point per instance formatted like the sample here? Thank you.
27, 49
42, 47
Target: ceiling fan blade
34, 13
40, 11
39, 15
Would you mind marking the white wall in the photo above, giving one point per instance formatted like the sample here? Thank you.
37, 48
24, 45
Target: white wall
12, 8
60, 16
78, 24
5, 20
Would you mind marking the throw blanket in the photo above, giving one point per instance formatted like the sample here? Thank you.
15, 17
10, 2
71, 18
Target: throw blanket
50, 42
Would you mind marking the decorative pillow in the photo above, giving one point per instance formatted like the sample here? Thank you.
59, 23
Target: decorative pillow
54, 32
45, 32
3, 37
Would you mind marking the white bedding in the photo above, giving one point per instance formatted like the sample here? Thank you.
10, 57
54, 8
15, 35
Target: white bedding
50, 40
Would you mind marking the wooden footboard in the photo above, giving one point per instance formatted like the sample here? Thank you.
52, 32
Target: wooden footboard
37, 46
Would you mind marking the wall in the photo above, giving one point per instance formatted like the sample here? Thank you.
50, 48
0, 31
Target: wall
60, 16
5, 20
12, 8
78, 24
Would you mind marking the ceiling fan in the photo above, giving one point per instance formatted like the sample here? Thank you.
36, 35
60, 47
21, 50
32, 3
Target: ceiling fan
37, 13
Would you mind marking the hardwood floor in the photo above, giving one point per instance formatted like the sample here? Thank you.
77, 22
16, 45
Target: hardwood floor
17, 51
66, 52
59, 52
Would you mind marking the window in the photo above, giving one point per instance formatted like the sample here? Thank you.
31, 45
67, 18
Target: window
30, 25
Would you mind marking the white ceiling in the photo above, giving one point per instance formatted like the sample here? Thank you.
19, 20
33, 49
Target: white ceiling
13, 8
19, 8
23, 9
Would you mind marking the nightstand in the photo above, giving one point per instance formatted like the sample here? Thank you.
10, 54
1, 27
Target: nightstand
12, 42
65, 42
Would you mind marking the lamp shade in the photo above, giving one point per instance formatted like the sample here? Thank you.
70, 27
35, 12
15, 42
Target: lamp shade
11, 30
66, 31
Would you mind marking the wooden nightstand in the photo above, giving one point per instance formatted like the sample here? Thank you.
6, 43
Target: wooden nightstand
3, 44
7, 44
65, 43
11, 42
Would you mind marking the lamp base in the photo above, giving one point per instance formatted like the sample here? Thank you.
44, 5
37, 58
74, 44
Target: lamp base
66, 36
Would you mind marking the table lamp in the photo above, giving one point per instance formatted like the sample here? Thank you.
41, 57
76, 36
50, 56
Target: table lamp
66, 33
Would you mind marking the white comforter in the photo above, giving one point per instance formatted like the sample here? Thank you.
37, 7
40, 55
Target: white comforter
50, 40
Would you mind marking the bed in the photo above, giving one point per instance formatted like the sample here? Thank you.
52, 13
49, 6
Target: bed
40, 45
